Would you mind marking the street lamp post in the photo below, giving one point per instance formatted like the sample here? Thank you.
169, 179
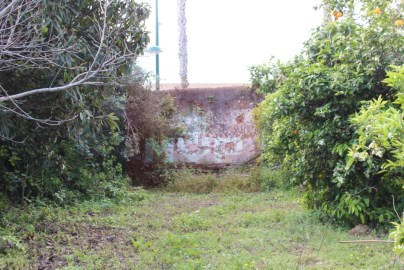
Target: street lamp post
156, 49
157, 45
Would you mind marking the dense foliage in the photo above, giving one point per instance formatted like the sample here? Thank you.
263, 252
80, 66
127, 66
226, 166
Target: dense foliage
152, 120
64, 146
380, 130
306, 122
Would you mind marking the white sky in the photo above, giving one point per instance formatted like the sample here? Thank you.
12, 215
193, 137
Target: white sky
225, 37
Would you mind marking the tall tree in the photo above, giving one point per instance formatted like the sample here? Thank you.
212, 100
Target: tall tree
182, 42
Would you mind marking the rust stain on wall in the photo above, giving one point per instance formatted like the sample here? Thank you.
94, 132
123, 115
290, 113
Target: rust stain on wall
219, 126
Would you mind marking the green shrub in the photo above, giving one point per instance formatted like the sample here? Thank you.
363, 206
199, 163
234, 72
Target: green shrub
398, 236
305, 124
275, 178
379, 128
151, 122
66, 146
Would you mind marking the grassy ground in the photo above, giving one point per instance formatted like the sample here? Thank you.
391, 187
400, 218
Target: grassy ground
167, 230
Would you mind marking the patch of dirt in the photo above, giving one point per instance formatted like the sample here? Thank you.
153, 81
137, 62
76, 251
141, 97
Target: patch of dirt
65, 240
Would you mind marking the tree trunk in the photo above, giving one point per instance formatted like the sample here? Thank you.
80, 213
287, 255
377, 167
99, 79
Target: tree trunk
182, 42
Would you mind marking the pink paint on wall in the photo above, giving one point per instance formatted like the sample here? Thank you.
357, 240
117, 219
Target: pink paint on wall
219, 126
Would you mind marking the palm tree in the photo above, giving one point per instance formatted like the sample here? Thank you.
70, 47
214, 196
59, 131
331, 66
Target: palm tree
182, 42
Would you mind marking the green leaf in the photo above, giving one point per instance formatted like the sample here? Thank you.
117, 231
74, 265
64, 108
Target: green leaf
349, 163
112, 120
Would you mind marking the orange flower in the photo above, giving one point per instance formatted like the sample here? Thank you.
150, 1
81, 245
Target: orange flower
377, 11
399, 22
295, 132
339, 15
336, 14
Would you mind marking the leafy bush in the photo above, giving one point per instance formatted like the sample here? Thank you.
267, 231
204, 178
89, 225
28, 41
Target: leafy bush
380, 147
263, 81
380, 129
65, 146
151, 121
65, 171
274, 178
305, 124
398, 236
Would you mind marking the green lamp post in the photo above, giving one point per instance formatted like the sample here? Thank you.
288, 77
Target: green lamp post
156, 49
157, 45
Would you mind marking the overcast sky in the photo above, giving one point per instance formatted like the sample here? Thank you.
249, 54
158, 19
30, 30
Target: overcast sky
225, 37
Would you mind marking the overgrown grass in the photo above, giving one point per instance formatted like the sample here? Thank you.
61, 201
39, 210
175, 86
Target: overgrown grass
178, 230
198, 182
241, 179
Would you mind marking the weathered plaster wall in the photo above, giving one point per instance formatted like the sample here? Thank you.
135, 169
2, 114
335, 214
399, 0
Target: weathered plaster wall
219, 126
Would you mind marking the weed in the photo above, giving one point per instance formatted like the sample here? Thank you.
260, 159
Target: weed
187, 180
216, 230
211, 99
191, 222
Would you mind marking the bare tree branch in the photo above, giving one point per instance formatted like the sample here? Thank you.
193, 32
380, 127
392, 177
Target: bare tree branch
22, 113
21, 45
6, 138
20, 42
7, 8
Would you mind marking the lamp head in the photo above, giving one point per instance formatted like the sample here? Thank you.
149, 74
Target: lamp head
154, 50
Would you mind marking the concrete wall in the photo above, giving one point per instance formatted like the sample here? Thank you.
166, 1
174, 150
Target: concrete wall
219, 126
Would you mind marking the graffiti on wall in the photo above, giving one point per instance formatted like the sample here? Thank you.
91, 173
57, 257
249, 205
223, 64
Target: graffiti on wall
219, 126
